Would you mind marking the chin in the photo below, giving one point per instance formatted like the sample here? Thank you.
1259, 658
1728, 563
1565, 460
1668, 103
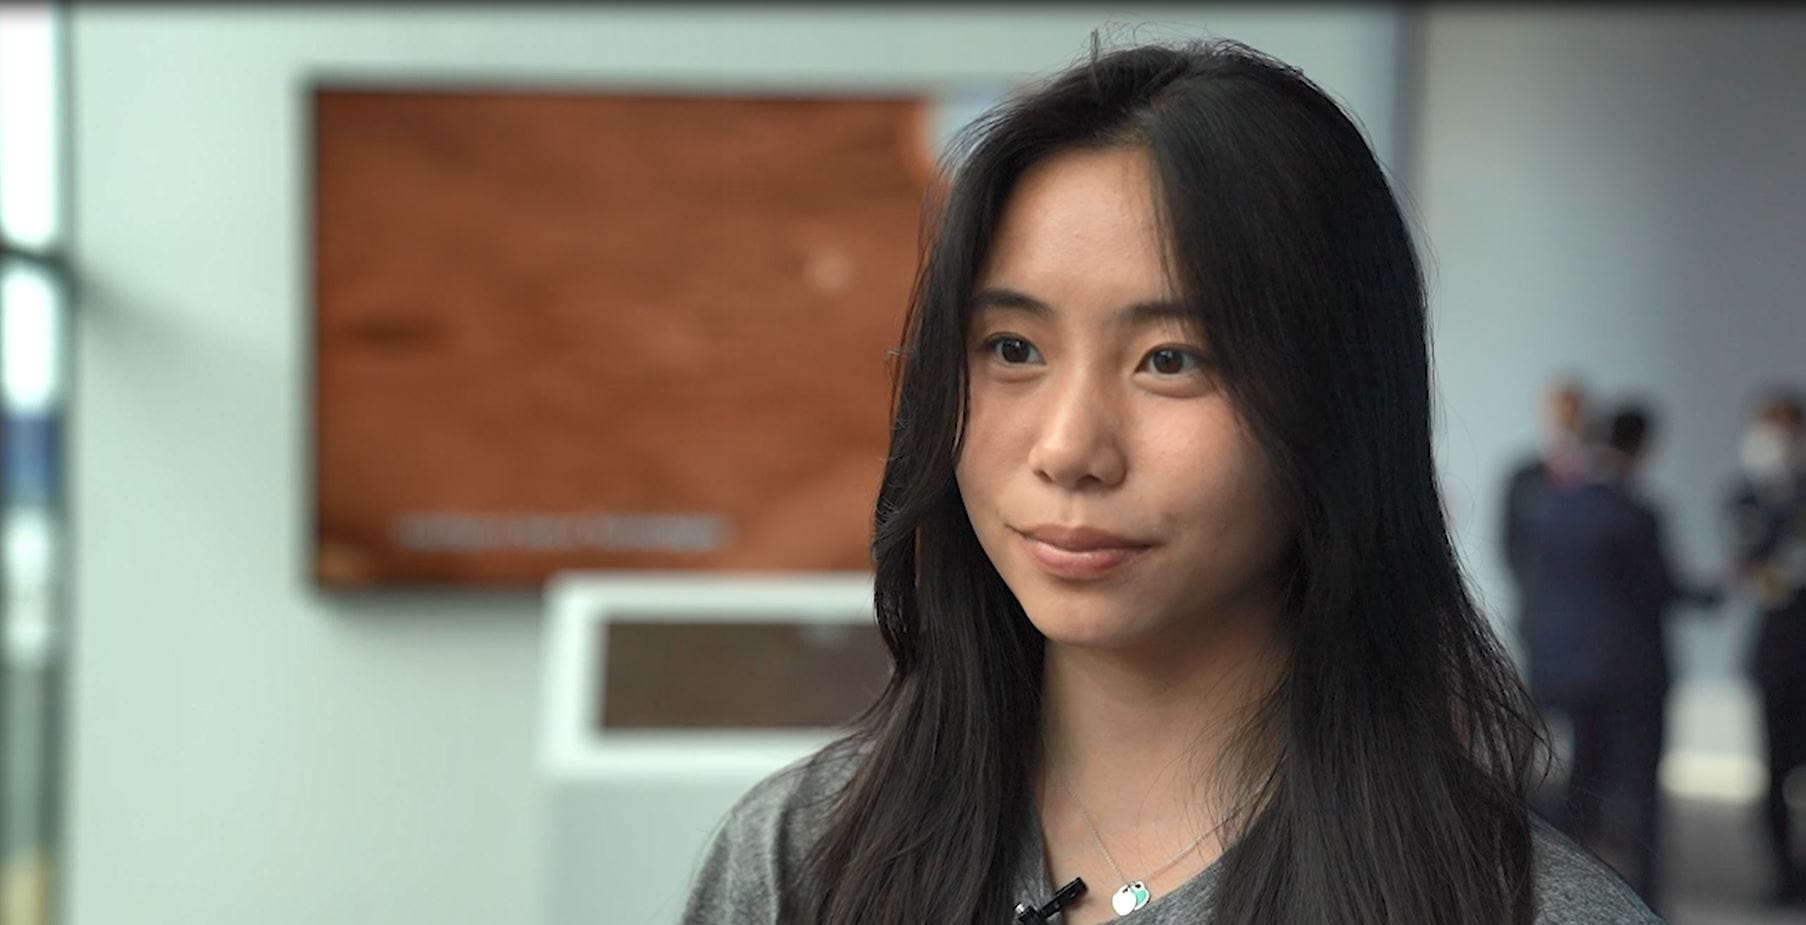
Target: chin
1079, 618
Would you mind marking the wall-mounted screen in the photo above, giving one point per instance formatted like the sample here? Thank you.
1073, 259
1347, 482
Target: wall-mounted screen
575, 330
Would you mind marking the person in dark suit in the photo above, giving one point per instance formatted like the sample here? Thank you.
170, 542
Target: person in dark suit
1600, 587
1768, 525
1560, 463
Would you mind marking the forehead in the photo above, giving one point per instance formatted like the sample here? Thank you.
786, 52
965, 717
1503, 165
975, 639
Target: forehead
1083, 227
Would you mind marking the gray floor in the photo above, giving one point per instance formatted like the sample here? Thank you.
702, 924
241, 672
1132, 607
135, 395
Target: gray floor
1716, 868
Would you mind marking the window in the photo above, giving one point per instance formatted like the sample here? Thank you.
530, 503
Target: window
34, 306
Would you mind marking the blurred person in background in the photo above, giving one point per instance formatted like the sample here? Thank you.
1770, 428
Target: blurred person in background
1160, 556
1561, 462
1768, 519
1600, 588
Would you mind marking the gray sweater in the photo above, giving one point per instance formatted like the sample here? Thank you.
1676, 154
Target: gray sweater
752, 871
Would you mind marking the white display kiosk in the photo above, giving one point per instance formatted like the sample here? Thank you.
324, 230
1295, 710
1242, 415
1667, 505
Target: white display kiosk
628, 812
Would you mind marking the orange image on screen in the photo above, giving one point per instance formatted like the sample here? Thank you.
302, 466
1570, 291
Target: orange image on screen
571, 330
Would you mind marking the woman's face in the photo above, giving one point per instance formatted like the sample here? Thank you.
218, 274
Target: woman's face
1105, 472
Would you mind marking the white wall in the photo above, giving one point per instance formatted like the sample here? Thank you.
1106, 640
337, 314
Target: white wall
1617, 192
246, 750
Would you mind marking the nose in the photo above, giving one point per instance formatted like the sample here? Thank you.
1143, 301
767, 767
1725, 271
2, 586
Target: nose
1079, 444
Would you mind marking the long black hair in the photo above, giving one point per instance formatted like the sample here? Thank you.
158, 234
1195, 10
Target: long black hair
1399, 740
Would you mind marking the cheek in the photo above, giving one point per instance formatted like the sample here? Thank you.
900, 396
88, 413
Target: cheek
985, 453
1256, 506
1221, 480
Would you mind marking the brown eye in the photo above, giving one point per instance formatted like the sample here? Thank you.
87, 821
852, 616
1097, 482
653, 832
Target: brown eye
1172, 361
1013, 350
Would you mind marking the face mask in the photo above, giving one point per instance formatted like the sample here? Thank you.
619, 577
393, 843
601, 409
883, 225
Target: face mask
1770, 454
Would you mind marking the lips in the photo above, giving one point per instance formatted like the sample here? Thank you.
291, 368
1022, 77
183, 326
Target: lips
1080, 553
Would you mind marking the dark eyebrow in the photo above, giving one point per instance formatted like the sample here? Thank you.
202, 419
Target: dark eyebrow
1134, 315
1010, 300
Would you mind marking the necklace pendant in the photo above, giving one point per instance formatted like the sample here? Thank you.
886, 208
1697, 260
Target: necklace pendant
1131, 897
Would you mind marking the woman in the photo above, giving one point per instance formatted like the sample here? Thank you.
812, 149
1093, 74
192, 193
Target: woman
1160, 558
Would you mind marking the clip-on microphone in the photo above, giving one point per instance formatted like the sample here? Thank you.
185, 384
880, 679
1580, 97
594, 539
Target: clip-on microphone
1027, 914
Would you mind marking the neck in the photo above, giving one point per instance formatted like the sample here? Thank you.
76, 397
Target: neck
1177, 708
1615, 466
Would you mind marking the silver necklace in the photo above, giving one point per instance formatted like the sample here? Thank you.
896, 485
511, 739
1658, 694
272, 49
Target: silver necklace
1133, 894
